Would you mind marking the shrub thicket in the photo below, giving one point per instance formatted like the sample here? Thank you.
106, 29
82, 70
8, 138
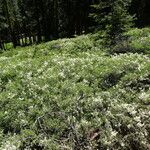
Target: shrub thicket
52, 97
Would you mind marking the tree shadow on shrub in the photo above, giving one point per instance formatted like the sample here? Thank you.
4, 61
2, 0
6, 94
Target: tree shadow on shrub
110, 80
124, 44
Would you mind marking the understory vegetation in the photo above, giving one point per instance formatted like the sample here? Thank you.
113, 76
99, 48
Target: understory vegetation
74, 94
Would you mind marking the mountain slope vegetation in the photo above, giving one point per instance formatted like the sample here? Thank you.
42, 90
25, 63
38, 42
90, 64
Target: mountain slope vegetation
75, 94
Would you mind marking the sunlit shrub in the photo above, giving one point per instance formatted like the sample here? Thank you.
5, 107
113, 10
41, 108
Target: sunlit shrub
71, 95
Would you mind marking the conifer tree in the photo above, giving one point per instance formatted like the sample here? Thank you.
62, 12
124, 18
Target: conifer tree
113, 17
3, 26
24, 22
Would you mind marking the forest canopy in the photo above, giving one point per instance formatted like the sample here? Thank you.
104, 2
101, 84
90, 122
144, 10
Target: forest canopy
25, 22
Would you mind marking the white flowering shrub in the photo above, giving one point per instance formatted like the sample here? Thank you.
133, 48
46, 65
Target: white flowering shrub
140, 40
68, 94
133, 41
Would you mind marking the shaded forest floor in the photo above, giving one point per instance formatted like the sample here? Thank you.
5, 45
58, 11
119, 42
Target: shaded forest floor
73, 94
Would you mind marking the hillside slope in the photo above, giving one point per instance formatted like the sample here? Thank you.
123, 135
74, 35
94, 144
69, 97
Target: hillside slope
71, 94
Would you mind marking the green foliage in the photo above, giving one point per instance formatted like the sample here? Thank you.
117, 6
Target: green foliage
114, 18
140, 40
136, 41
69, 94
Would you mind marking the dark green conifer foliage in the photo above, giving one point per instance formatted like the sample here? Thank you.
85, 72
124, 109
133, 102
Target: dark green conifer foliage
25, 22
113, 17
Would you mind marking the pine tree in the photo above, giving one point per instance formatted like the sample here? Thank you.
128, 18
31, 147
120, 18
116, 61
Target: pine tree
12, 15
113, 17
3, 26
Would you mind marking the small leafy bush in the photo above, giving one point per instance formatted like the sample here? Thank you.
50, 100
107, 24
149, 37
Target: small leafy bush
133, 41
